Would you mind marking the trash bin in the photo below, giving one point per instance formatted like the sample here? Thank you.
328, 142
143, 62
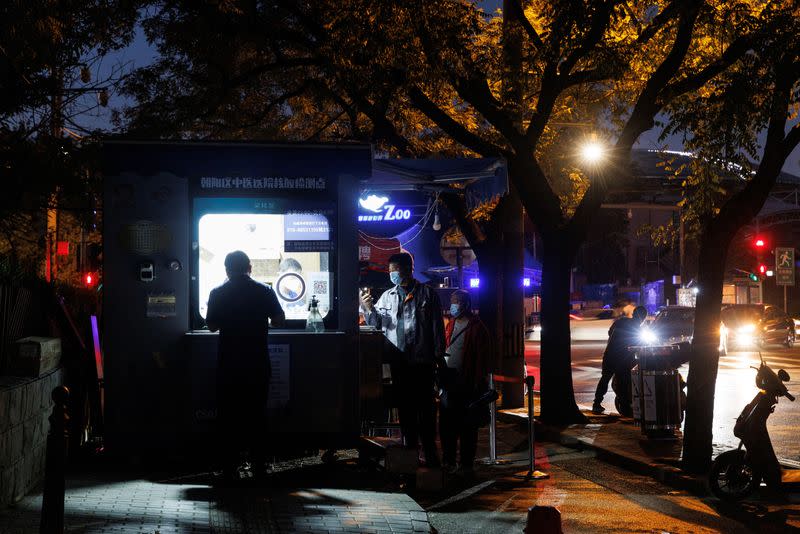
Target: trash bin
656, 391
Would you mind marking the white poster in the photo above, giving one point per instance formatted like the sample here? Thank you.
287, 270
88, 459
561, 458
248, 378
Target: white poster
649, 387
280, 359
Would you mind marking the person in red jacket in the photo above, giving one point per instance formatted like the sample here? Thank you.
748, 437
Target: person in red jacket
469, 358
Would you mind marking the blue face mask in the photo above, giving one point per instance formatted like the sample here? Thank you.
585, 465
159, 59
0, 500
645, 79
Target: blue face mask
395, 277
455, 310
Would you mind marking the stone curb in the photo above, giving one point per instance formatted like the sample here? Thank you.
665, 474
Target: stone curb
662, 472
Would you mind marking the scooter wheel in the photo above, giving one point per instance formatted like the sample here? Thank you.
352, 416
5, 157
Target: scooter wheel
732, 477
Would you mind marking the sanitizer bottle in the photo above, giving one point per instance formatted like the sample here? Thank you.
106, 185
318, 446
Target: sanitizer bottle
314, 321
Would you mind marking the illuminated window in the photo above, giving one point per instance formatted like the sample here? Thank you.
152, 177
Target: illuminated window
289, 252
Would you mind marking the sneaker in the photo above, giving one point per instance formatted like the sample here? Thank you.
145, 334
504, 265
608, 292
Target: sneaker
598, 409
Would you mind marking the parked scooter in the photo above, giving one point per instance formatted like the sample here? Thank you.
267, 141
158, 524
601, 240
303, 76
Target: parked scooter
737, 473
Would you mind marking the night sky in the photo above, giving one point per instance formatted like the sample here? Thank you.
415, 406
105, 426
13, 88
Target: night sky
140, 53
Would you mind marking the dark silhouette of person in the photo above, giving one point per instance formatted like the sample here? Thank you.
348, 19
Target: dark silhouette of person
617, 359
240, 309
410, 315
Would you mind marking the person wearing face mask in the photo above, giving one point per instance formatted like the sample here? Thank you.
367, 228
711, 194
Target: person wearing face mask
410, 316
468, 359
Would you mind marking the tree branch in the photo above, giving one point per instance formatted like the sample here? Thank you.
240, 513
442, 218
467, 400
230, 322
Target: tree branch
647, 105
550, 89
745, 204
659, 21
731, 55
457, 205
595, 34
538, 198
472, 88
519, 13
452, 127
792, 140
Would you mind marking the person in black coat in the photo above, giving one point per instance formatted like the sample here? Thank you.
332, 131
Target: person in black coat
240, 309
617, 359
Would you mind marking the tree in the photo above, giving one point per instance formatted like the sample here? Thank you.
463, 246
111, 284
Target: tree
47, 58
722, 125
428, 77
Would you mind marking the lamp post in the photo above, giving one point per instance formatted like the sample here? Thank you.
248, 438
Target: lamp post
592, 154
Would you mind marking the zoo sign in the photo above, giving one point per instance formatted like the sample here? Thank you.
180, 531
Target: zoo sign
381, 211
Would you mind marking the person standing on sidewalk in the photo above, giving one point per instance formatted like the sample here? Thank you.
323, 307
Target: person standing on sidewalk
617, 360
240, 309
463, 381
410, 315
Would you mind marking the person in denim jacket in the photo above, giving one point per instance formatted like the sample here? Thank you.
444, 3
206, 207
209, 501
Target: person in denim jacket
410, 316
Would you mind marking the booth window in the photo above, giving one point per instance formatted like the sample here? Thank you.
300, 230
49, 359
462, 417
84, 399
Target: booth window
288, 252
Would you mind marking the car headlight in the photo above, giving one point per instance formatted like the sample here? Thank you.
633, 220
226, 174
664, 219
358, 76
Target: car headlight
648, 337
745, 335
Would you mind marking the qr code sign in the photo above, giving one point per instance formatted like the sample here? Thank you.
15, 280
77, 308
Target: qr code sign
320, 287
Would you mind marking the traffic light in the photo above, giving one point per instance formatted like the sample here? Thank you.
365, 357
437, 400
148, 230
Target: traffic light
762, 270
92, 265
90, 279
753, 277
760, 243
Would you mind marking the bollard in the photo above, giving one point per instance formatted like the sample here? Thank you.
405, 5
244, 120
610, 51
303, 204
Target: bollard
531, 473
52, 520
492, 459
543, 520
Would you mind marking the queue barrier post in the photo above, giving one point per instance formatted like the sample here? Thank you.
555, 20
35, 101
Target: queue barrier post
493, 459
532, 473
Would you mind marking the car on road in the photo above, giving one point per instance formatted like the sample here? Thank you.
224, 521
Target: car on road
748, 326
584, 325
672, 325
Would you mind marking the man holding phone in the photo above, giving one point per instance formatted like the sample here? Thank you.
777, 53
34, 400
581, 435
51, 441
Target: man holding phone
410, 316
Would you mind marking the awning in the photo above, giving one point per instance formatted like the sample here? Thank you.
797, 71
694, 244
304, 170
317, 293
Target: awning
483, 178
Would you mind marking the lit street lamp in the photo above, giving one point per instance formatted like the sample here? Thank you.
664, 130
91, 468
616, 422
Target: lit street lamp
593, 152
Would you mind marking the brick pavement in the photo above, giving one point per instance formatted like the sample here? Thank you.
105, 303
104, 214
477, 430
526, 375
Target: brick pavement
104, 504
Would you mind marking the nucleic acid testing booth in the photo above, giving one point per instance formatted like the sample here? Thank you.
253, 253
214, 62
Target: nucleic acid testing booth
172, 211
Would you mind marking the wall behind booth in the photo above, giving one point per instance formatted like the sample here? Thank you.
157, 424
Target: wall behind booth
158, 388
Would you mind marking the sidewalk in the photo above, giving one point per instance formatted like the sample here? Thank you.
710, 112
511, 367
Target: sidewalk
307, 497
618, 441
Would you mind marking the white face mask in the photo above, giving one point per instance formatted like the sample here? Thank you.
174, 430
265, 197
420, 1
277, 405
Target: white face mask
455, 310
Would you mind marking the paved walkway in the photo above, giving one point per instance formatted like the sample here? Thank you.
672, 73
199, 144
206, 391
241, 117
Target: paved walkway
103, 503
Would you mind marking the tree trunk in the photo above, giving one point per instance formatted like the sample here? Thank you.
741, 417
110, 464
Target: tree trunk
512, 361
490, 297
558, 399
704, 362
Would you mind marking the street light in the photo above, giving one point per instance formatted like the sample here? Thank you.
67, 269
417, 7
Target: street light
593, 152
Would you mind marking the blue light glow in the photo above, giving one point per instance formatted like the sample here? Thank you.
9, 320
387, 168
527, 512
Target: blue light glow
474, 282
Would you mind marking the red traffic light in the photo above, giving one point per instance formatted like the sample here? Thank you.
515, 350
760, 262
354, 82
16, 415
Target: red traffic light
762, 269
89, 279
759, 242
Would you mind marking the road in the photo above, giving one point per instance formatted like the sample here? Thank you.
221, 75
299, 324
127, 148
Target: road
735, 388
